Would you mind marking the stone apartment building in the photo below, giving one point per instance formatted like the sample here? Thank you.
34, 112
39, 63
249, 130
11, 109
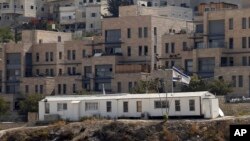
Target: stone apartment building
130, 45
83, 15
218, 49
14, 12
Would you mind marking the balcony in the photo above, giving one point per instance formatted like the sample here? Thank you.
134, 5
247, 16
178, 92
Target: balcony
219, 44
12, 11
132, 68
188, 48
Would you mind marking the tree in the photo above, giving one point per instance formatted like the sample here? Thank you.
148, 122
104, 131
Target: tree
4, 106
5, 35
151, 86
113, 6
196, 84
220, 87
216, 86
30, 103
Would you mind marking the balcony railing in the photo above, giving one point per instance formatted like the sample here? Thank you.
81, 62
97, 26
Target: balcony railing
188, 48
132, 68
217, 45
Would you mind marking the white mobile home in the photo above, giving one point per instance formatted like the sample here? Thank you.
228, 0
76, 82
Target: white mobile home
202, 104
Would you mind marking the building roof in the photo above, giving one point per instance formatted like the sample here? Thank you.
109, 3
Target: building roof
126, 96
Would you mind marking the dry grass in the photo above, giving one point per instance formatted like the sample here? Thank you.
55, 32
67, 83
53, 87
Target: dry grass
169, 136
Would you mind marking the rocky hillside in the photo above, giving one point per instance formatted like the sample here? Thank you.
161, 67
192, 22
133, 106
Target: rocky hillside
128, 130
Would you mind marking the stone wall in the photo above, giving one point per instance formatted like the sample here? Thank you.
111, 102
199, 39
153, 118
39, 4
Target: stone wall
234, 109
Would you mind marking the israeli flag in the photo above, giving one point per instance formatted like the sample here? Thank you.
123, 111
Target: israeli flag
179, 76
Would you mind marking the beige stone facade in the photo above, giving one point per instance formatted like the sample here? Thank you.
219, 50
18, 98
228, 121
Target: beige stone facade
221, 51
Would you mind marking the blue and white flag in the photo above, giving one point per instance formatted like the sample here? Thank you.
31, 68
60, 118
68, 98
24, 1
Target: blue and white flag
180, 76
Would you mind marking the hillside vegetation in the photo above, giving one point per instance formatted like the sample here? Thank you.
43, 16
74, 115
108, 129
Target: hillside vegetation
128, 130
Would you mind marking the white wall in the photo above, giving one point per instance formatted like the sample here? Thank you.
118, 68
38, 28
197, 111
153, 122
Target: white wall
76, 111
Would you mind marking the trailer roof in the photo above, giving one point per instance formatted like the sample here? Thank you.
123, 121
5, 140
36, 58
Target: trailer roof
126, 96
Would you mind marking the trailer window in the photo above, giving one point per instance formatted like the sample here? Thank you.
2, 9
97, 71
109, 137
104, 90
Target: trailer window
138, 106
125, 107
161, 104
61, 106
47, 108
109, 106
191, 105
91, 106
177, 105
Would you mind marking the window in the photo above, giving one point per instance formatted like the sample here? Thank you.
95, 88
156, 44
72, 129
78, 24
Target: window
60, 72
184, 45
240, 81
36, 88
189, 65
234, 81
231, 43
231, 23
51, 56
140, 51
249, 22
155, 31
26, 88
47, 108
231, 61
46, 56
69, 54
59, 38
130, 86
129, 33
138, 106
166, 64
60, 55
145, 50
244, 42
129, 51
177, 105
61, 106
244, 61
109, 106
59, 88
155, 49
248, 60
191, 105
73, 54
140, 32
31, 7
223, 61
74, 88
40, 41
119, 87
83, 53
166, 47
161, 104
37, 57
249, 41
64, 88
244, 23
37, 72
172, 63
91, 106
93, 14
51, 72
172, 47
41, 89
125, 106
206, 64
145, 32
